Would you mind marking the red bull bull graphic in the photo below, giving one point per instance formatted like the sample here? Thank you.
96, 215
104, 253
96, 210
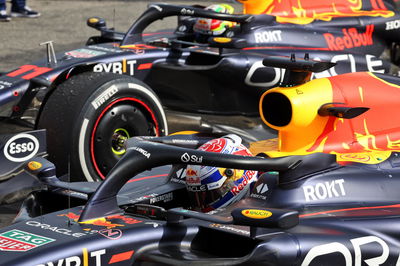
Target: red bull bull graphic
105, 221
369, 137
215, 145
307, 11
376, 130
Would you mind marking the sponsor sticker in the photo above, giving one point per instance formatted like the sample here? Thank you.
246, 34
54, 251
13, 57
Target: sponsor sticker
325, 190
21, 147
84, 53
360, 247
248, 176
191, 158
351, 38
256, 214
85, 258
55, 229
261, 191
164, 198
231, 228
102, 98
142, 151
268, 36
17, 240
124, 67
393, 25
33, 165
105, 49
111, 233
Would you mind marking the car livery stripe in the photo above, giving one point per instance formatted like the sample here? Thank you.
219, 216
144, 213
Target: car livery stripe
349, 209
146, 177
121, 257
145, 66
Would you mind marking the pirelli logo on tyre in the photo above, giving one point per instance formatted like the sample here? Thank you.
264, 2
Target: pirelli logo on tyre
107, 94
17, 240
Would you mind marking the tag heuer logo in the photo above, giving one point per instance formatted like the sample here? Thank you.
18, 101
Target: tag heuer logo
17, 240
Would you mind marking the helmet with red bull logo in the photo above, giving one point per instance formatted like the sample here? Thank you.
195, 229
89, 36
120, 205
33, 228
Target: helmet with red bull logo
211, 187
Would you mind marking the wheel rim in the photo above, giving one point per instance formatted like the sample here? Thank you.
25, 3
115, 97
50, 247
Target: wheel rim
118, 139
121, 119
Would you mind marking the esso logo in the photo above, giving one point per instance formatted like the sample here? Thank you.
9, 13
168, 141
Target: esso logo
21, 147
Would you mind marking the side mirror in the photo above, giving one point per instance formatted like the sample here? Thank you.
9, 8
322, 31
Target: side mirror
266, 218
224, 42
96, 23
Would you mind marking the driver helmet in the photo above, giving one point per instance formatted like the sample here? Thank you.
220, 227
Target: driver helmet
214, 27
211, 187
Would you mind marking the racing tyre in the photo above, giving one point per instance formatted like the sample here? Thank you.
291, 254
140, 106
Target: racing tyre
89, 116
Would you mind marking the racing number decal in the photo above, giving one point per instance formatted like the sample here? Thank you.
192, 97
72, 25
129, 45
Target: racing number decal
34, 71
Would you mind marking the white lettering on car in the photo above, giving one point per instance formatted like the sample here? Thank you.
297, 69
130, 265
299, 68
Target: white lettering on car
336, 247
56, 229
321, 191
393, 25
124, 67
268, 36
80, 260
21, 147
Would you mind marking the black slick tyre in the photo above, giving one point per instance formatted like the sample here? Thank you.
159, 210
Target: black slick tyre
88, 117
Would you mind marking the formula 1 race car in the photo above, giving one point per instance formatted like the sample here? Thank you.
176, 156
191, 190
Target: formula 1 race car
331, 200
208, 74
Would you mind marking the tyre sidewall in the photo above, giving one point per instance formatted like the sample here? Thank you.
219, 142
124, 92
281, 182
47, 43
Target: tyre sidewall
102, 98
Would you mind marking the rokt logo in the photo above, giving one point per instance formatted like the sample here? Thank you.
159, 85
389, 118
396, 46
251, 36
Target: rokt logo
21, 147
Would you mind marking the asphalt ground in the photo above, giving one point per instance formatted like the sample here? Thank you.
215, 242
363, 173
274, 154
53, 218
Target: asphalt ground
64, 23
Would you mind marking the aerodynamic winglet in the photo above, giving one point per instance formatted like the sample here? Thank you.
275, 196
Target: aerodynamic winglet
345, 112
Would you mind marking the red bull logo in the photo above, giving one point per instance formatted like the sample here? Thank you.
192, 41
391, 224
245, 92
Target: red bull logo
247, 177
306, 11
351, 38
191, 173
